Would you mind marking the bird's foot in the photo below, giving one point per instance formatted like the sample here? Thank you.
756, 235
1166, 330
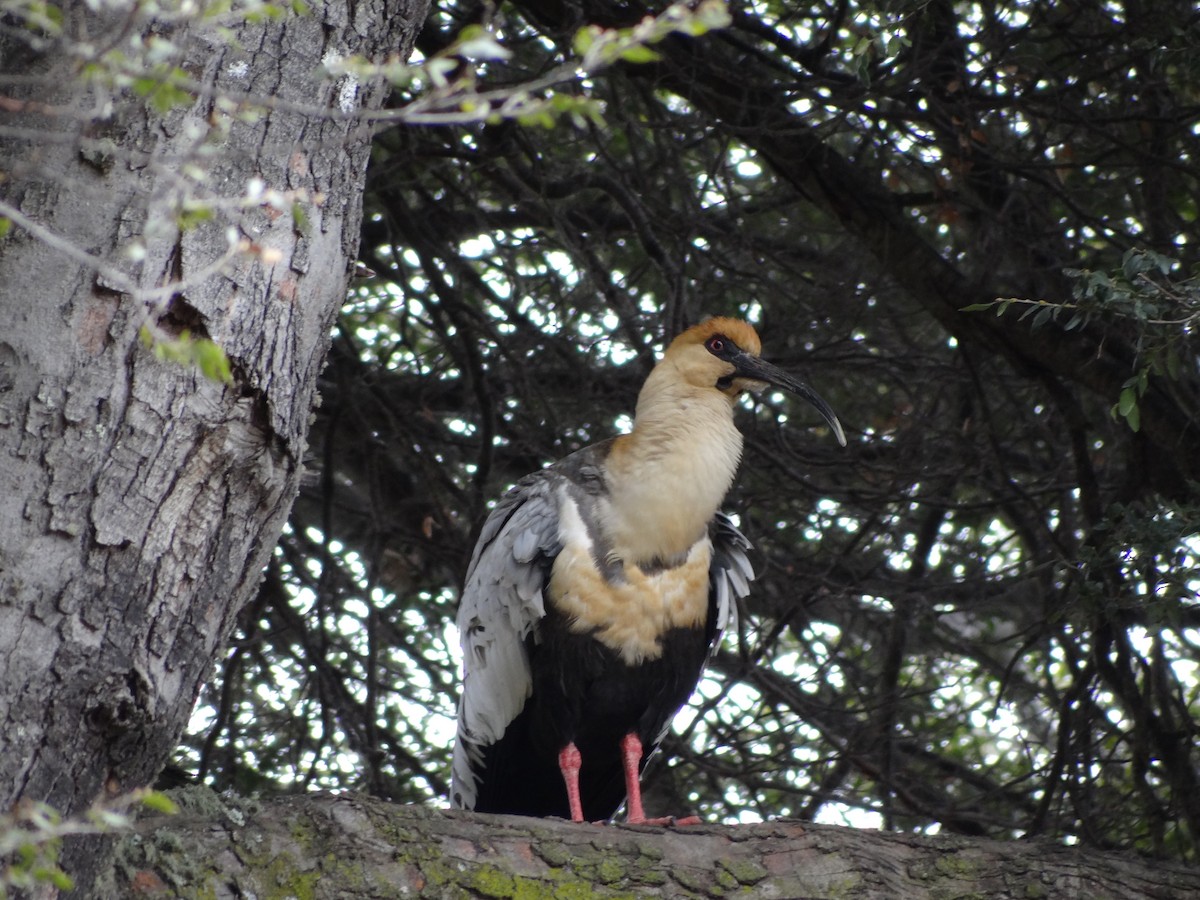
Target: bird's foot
667, 821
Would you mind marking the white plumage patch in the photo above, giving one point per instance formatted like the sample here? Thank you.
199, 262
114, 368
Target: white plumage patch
631, 613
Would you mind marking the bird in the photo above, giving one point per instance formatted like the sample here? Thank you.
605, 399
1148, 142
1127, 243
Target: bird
599, 587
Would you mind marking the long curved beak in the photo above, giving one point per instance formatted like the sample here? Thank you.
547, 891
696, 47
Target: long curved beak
756, 369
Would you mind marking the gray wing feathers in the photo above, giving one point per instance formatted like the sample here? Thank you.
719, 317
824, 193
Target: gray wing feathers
502, 602
730, 573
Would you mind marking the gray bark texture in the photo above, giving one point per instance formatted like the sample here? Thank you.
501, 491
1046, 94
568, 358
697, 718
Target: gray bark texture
140, 500
326, 846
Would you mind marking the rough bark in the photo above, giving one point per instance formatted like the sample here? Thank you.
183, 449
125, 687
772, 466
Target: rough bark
139, 500
352, 846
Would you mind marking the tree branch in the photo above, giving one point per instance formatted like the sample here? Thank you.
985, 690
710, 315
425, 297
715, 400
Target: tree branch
348, 846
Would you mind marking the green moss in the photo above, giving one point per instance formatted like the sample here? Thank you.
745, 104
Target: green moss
278, 876
302, 834
611, 870
391, 829
955, 865
744, 871
649, 876
528, 889
203, 801
489, 881
437, 873
573, 873
652, 853
281, 880
848, 888
573, 890
693, 880
554, 854
349, 872
725, 880
162, 852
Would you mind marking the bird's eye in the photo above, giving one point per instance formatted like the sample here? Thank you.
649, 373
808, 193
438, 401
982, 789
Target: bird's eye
716, 345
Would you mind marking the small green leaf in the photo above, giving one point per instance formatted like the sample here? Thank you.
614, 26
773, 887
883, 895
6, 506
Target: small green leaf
5, 227
977, 307
213, 362
55, 876
1133, 263
1127, 402
162, 89
537, 117
584, 38
1127, 409
639, 54
215, 9
192, 215
159, 802
476, 42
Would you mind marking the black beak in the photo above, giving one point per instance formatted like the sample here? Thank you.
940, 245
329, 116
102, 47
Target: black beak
749, 366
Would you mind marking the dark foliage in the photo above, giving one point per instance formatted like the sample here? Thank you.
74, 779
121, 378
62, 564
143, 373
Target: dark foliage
983, 616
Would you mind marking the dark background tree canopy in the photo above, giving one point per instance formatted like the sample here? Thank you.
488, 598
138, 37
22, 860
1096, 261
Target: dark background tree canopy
981, 618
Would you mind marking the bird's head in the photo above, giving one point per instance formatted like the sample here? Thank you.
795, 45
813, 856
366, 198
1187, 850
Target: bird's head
723, 354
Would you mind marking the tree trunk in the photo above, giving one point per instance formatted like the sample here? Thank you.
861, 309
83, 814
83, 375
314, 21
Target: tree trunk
139, 500
351, 846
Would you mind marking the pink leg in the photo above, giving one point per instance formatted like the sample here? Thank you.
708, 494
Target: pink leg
631, 757
569, 763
